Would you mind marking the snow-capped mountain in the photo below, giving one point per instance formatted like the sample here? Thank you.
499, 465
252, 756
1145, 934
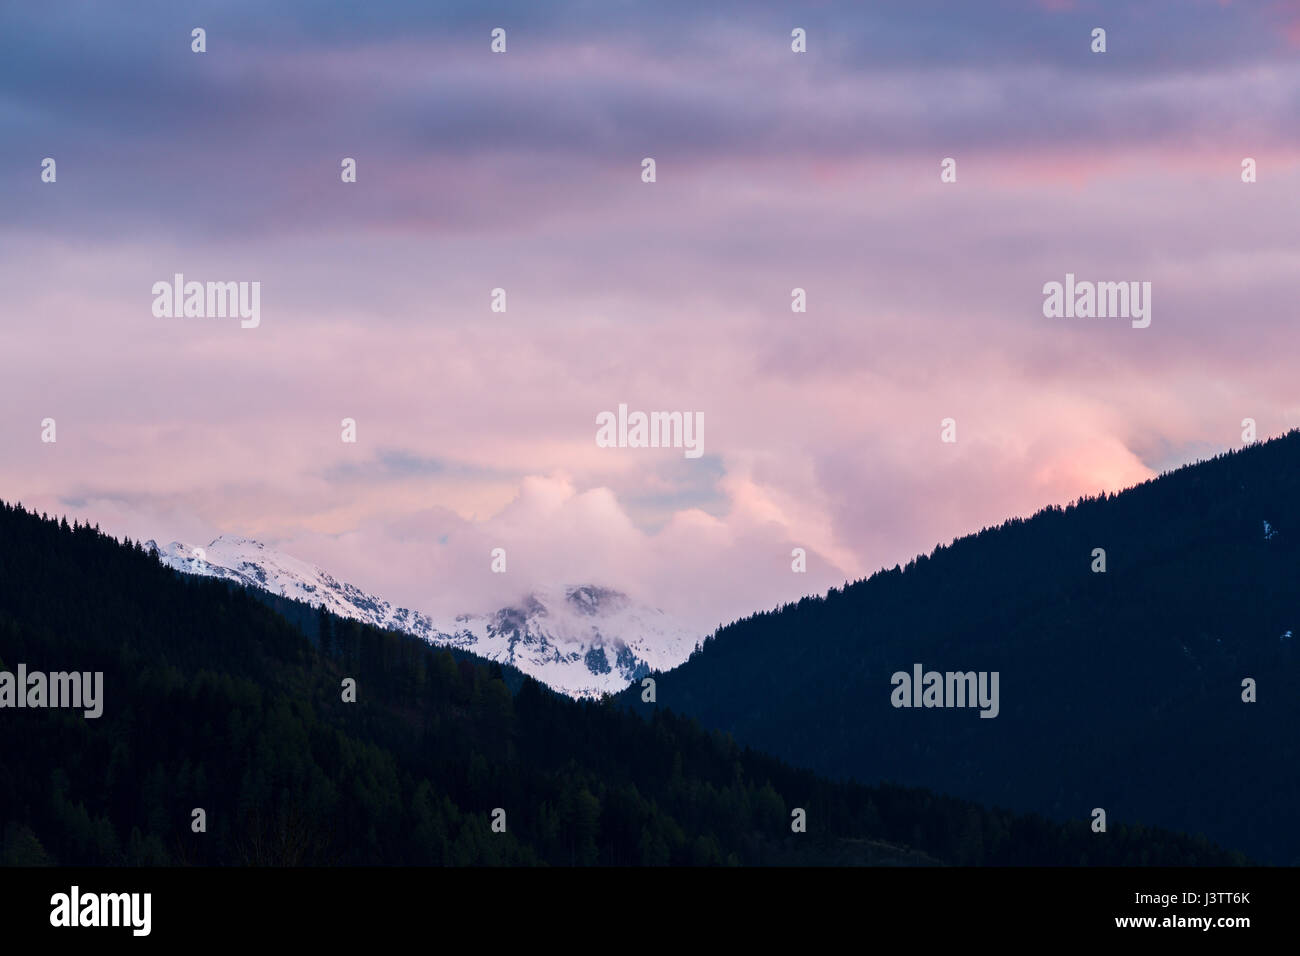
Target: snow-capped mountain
581, 640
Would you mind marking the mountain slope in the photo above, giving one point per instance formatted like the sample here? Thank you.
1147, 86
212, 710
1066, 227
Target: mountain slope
583, 641
213, 700
1119, 690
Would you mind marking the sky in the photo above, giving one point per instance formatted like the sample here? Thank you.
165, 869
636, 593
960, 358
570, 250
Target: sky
522, 170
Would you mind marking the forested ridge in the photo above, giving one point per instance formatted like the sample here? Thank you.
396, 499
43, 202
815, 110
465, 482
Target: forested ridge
215, 699
1121, 688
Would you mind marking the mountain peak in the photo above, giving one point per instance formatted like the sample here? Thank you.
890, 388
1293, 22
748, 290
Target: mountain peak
593, 599
583, 640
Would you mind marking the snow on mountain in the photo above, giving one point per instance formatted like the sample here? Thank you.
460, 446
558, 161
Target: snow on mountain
580, 640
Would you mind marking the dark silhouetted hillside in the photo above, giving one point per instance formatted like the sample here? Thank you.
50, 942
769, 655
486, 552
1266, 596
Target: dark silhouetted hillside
1120, 690
213, 699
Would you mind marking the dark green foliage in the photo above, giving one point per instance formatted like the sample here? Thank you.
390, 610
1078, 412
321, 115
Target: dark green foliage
215, 699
